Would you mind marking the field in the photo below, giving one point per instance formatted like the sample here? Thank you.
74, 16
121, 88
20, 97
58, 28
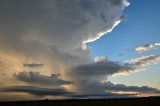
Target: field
88, 102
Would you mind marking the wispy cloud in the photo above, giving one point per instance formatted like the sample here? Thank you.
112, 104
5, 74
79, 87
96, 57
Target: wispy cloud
145, 60
147, 47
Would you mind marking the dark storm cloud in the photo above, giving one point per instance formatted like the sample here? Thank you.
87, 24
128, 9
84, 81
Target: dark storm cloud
37, 90
37, 78
28, 28
33, 65
102, 96
92, 87
102, 68
116, 2
109, 86
88, 77
109, 89
53, 20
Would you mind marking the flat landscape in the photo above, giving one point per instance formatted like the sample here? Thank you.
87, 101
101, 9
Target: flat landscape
88, 102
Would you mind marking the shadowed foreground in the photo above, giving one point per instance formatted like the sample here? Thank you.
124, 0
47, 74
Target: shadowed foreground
88, 102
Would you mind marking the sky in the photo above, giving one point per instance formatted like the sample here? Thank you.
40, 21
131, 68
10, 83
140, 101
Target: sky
132, 33
58, 49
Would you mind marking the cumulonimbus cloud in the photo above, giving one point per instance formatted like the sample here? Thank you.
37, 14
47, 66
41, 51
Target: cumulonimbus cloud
54, 32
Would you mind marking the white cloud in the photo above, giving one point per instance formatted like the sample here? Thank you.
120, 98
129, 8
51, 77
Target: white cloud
53, 32
100, 58
145, 60
147, 47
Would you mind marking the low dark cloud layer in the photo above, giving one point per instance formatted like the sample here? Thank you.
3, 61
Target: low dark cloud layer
38, 90
109, 86
103, 95
109, 89
37, 78
92, 87
104, 67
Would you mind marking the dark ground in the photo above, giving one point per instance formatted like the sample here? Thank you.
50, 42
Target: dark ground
151, 101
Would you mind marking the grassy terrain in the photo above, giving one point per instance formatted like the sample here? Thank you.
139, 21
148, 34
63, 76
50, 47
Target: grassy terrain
88, 102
